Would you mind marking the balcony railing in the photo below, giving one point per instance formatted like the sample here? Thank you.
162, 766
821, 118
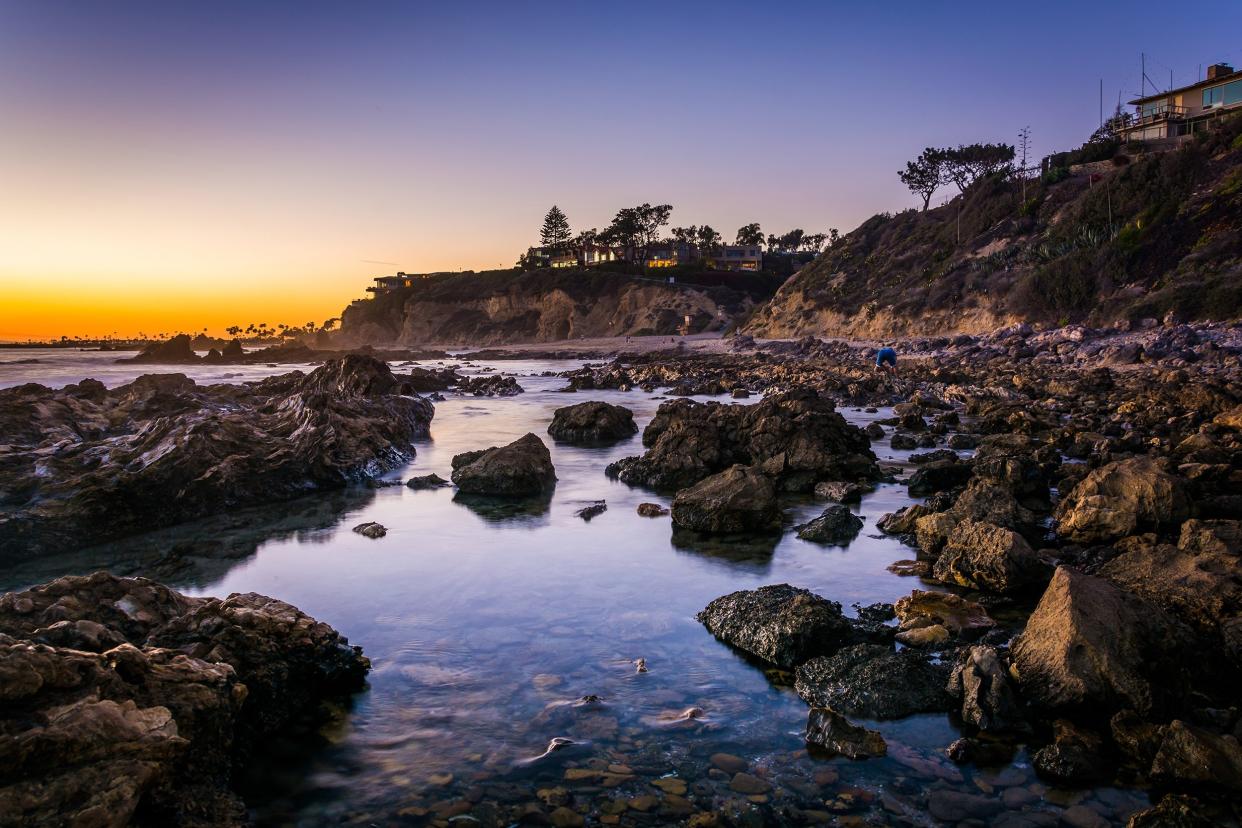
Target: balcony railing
1167, 112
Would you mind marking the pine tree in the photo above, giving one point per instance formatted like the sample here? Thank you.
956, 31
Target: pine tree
555, 232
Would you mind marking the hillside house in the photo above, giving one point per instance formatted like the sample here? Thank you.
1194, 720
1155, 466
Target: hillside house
1187, 110
737, 257
386, 284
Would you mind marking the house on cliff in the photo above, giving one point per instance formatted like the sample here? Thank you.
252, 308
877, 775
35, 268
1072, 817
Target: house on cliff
1182, 112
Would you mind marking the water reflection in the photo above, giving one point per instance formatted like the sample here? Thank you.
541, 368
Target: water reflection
752, 553
193, 555
525, 511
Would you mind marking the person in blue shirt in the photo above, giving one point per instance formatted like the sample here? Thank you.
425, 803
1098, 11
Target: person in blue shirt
886, 359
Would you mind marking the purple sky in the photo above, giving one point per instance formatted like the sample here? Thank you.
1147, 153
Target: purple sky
178, 155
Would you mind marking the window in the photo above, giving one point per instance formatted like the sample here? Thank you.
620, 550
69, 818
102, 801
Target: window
1148, 110
1233, 92
1214, 96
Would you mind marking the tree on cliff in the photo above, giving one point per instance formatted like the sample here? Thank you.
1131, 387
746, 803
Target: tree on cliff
555, 232
708, 239
965, 165
924, 175
637, 228
750, 234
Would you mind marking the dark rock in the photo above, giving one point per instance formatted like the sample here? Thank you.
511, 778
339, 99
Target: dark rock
1123, 498
87, 464
831, 731
903, 442
163, 723
175, 351
1090, 644
780, 624
988, 700
371, 529
1174, 811
840, 492
939, 455
874, 682
962, 441
1137, 740
427, 481
592, 510
980, 752
903, 521
837, 525
990, 558
592, 423
1075, 756
738, 500
874, 431
651, 510
489, 386
1193, 756
796, 438
521, 469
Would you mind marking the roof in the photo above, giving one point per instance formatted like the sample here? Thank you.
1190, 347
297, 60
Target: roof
1200, 85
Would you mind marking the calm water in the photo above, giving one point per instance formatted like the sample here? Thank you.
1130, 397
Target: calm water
486, 625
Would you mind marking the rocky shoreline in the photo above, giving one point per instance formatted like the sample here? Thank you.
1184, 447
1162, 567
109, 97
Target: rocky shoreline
126, 702
85, 463
1076, 533
1091, 548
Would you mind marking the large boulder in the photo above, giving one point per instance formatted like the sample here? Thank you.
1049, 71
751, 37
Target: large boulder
119, 696
938, 476
990, 558
1123, 498
837, 525
1091, 645
875, 682
523, 468
738, 500
592, 423
1199, 580
779, 624
796, 438
87, 464
175, 351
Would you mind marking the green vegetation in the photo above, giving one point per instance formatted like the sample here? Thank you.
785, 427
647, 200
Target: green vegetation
1152, 233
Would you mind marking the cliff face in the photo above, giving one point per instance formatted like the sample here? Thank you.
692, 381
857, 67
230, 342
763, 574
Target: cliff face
1141, 237
542, 306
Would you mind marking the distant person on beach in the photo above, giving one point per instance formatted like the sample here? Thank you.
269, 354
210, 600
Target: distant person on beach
886, 360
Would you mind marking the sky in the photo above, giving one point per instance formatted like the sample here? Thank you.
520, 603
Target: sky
173, 166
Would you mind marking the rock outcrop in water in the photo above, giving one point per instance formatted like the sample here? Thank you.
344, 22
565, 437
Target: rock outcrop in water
180, 350
796, 438
736, 501
125, 702
86, 463
521, 469
780, 624
592, 423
